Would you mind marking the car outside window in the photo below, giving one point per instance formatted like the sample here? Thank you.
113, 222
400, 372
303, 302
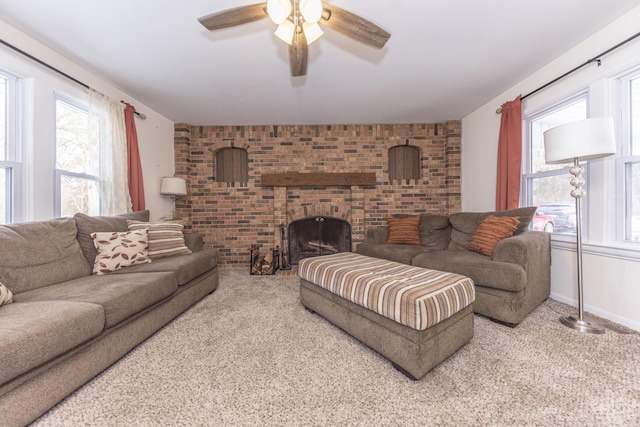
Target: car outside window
547, 186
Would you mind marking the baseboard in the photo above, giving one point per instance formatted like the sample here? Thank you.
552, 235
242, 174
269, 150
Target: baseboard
629, 323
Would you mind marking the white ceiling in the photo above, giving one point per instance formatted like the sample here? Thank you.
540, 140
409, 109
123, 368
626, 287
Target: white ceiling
445, 58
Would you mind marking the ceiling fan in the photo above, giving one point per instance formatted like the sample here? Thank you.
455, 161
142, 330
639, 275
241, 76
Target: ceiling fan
298, 25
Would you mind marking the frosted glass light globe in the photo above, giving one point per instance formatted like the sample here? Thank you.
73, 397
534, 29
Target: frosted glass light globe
311, 10
278, 10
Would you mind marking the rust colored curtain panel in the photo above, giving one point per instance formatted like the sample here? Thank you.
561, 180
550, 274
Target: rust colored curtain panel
509, 156
136, 184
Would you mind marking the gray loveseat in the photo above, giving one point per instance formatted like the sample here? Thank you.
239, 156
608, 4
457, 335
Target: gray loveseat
509, 285
68, 325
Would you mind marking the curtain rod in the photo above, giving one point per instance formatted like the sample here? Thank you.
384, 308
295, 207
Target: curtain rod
595, 59
51, 67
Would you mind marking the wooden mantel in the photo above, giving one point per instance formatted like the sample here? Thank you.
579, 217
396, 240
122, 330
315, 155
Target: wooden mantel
317, 179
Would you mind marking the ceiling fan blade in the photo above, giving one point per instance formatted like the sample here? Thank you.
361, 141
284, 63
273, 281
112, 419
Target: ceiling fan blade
236, 16
298, 53
354, 26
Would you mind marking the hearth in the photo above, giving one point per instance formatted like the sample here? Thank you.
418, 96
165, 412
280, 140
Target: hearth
318, 235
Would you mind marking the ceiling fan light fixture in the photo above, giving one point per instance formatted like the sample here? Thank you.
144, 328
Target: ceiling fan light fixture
285, 31
312, 32
279, 10
297, 25
311, 10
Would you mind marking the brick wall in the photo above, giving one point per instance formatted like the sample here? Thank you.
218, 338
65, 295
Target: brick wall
232, 216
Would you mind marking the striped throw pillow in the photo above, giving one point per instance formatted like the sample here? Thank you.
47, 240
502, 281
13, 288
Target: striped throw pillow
403, 231
6, 297
490, 231
165, 238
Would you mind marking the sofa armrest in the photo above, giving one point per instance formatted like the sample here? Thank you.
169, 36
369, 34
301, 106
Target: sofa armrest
377, 235
525, 248
532, 251
194, 241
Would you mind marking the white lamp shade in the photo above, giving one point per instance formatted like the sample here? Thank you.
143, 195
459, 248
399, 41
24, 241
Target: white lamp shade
172, 186
585, 139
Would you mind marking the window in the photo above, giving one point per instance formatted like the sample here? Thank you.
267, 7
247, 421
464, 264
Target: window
5, 174
77, 160
629, 158
404, 162
232, 165
51, 163
547, 186
9, 153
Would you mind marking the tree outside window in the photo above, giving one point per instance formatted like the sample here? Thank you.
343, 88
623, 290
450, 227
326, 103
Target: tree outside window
77, 160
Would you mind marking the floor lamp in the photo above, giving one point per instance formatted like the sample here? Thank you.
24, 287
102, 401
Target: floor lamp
172, 186
574, 142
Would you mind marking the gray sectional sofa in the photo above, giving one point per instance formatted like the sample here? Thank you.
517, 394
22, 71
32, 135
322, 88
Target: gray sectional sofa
68, 325
509, 285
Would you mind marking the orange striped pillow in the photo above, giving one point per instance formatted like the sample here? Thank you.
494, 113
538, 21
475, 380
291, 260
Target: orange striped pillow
490, 231
404, 231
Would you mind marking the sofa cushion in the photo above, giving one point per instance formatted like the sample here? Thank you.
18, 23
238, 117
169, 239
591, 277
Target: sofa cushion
90, 224
397, 253
464, 224
377, 234
194, 241
121, 295
6, 296
35, 332
480, 268
40, 253
491, 230
165, 238
183, 267
120, 249
403, 231
524, 215
435, 231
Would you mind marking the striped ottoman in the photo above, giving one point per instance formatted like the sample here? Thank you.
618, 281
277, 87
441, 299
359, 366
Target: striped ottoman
413, 316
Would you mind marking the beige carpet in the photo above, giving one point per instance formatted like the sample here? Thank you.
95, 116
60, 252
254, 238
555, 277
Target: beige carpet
250, 355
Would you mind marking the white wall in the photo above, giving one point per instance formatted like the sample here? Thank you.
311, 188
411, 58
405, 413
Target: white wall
612, 288
155, 134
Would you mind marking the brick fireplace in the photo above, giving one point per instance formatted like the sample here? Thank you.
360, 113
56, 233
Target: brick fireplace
317, 235
234, 216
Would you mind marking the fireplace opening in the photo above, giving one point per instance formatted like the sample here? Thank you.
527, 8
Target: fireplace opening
315, 236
